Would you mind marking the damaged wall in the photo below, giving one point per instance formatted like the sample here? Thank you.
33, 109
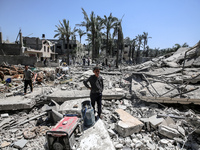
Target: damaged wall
10, 49
15, 60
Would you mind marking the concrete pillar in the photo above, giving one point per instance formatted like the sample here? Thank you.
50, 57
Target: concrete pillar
1, 38
20, 39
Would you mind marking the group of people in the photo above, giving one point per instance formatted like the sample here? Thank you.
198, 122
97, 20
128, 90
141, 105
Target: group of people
86, 59
94, 83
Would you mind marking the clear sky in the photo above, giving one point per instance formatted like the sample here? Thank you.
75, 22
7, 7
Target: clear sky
167, 21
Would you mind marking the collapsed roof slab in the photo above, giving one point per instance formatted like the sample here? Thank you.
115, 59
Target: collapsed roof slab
19, 102
170, 100
16, 103
62, 95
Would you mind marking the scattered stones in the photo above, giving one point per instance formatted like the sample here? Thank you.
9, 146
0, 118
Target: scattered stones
20, 143
128, 124
5, 144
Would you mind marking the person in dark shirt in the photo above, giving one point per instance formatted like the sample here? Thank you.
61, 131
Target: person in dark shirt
96, 86
28, 75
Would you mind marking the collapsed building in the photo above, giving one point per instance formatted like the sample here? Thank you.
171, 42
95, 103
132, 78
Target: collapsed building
153, 105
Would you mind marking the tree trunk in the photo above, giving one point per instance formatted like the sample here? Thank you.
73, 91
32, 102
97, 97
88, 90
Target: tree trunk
68, 50
129, 55
117, 54
133, 52
107, 48
63, 47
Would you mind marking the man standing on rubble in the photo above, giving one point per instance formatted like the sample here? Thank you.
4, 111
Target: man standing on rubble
96, 87
28, 75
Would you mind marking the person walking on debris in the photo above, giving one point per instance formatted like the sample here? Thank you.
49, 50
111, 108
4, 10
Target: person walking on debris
45, 62
88, 61
28, 75
96, 87
2, 75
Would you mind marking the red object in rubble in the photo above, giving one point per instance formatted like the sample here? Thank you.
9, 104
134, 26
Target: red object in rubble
61, 137
67, 124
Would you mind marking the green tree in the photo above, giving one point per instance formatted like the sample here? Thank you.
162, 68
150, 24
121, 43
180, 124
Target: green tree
91, 24
81, 33
185, 45
109, 23
145, 38
64, 30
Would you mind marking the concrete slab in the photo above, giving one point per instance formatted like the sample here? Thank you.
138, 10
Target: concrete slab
19, 102
62, 96
96, 138
154, 121
128, 124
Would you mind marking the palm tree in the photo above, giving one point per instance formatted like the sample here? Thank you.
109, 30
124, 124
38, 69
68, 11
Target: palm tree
119, 33
176, 47
139, 39
90, 23
64, 30
109, 23
185, 45
60, 34
145, 38
81, 33
133, 49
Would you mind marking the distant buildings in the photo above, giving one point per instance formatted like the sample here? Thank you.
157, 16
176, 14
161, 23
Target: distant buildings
52, 49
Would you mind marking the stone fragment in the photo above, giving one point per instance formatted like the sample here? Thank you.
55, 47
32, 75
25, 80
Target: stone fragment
5, 144
154, 121
118, 146
5, 121
20, 143
6, 115
146, 123
151, 146
127, 124
122, 107
168, 132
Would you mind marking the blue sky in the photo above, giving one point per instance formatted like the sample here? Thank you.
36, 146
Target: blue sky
167, 21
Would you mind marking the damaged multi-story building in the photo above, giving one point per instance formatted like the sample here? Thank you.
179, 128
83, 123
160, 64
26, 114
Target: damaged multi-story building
34, 50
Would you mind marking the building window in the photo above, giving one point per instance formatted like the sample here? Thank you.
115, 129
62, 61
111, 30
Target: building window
48, 49
45, 48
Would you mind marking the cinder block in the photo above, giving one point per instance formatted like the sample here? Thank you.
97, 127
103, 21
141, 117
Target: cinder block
127, 124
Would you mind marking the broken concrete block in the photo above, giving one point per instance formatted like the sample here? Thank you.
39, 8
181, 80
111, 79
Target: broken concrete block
146, 123
5, 144
20, 143
127, 124
5, 115
168, 132
154, 121
168, 122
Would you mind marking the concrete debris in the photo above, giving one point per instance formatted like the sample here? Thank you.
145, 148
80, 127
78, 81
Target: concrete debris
168, 132
5, 144
20, 143
127, 124
154, 121
140, 107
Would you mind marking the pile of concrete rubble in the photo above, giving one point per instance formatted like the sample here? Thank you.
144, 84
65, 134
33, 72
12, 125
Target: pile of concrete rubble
153, 105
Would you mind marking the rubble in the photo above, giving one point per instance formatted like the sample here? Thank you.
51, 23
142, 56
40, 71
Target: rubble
127, 124
144, 106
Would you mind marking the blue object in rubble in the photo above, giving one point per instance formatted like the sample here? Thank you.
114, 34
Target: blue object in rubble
8, 80
87, 114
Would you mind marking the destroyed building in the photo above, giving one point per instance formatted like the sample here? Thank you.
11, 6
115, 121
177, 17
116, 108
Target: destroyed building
153, 105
